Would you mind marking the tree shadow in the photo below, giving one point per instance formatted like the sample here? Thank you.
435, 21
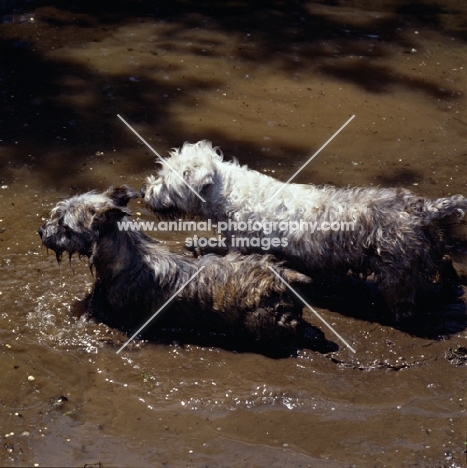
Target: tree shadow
380, 79
56, 112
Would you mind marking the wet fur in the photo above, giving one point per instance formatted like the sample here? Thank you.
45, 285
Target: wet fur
236, 296
399, 236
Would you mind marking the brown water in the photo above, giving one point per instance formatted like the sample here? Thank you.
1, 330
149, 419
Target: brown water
269, 82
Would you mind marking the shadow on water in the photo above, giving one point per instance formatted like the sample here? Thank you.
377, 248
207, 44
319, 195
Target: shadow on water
42, 107
400, 178
158, 331
436, 316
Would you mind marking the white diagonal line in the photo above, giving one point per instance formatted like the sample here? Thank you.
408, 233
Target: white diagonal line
317, 152
154, 315
163, 161
311, 308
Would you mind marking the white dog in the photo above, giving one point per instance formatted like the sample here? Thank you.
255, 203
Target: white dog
390, 232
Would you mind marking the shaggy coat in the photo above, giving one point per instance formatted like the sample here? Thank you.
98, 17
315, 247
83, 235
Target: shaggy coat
389, 232
237, 296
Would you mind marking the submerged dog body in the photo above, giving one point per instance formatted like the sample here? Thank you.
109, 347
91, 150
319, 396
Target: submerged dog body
322, 231
236, 295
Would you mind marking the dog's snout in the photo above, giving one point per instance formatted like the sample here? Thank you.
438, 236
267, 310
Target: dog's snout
143, 191
40, 231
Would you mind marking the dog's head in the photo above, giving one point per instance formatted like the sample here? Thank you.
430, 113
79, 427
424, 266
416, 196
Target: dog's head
75, 223
183, 179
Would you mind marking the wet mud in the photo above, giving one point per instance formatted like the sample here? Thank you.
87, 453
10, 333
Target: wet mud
269, 82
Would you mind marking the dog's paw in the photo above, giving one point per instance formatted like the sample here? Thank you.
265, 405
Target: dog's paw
403, 312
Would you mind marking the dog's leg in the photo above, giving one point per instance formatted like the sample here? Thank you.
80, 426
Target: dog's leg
451, 284
398, 291
280, 324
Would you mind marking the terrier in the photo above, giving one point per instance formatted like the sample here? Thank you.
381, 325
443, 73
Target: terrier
322, 231
237, 297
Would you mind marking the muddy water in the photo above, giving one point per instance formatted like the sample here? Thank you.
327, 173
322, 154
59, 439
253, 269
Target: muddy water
269, 83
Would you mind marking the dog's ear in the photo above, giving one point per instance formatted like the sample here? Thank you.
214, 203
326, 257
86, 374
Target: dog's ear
121, 195
160, 162
198, 178
109, 216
